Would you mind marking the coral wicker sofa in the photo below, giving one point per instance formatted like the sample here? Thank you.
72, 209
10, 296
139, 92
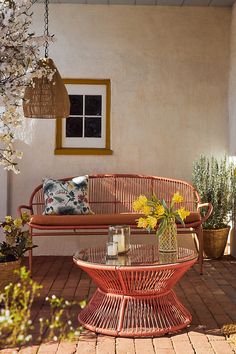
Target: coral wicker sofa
110, 198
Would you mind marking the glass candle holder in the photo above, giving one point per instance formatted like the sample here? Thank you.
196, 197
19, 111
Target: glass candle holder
112, 250
124, 260
121, 235
111, 261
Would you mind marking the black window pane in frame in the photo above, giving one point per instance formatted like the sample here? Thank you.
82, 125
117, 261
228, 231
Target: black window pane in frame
93, 105
76, 105
74, 127
93, 127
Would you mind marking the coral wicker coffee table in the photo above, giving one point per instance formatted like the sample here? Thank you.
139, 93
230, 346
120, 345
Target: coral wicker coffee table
134, 297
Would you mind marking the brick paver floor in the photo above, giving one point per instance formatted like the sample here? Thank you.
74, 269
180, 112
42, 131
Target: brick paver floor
211, 299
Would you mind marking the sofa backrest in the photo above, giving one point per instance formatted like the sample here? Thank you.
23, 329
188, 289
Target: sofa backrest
115, 193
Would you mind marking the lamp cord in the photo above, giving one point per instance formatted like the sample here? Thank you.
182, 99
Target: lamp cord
46, 32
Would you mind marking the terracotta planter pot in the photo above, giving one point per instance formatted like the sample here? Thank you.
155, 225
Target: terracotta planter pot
214, 242
7, 273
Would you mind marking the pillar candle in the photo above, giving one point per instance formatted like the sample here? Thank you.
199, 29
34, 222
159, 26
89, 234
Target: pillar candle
120, 239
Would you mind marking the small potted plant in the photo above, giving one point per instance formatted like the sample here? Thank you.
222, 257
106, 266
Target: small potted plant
215, 182
16, 243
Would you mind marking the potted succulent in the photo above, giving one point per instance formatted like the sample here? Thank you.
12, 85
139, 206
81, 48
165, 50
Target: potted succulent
215, 182
16, 243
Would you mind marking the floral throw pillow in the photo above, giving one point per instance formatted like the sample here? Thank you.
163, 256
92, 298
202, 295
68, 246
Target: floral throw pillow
66, 197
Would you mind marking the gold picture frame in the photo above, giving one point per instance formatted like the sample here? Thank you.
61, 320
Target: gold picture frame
63, 143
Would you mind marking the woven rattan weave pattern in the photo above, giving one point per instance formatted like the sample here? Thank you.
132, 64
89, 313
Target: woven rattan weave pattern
135, 300
110, 198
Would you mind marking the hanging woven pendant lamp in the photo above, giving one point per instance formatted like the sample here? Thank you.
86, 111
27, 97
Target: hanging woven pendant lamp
45, 98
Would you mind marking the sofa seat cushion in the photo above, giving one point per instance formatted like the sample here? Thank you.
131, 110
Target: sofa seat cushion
85, 220
96, 219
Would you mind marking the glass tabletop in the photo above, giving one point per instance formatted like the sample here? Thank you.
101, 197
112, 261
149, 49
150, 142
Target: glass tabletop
138, 254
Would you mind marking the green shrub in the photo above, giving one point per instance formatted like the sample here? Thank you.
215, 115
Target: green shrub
215, 182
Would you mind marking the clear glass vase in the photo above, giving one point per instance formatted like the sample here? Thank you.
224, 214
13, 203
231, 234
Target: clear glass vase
168, 239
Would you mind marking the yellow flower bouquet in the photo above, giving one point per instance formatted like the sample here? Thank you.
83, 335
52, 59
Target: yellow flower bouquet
158, 215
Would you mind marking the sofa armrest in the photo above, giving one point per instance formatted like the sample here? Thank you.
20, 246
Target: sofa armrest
209, 211
27, 207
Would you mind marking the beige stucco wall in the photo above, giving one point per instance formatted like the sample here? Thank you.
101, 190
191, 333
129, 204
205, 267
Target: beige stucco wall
169, 76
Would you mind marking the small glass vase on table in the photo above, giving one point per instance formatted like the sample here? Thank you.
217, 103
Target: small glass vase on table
167, 240
161, 217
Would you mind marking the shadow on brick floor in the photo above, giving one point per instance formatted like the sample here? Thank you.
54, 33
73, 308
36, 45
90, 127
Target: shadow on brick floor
210, 298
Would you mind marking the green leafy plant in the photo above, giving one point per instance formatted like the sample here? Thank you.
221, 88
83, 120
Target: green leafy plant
16, 326
215, 182
17, 241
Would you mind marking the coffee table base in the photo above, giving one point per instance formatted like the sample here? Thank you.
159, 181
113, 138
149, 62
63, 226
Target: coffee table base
134, 316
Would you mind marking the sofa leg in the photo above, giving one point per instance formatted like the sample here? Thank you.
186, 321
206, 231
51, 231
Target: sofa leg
199, 233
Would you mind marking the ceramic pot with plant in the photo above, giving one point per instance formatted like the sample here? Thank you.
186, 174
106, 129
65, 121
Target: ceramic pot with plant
16, 243
161, 217
215, 182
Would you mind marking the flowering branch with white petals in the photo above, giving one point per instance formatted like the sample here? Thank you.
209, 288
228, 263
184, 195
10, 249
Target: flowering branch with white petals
19, 56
